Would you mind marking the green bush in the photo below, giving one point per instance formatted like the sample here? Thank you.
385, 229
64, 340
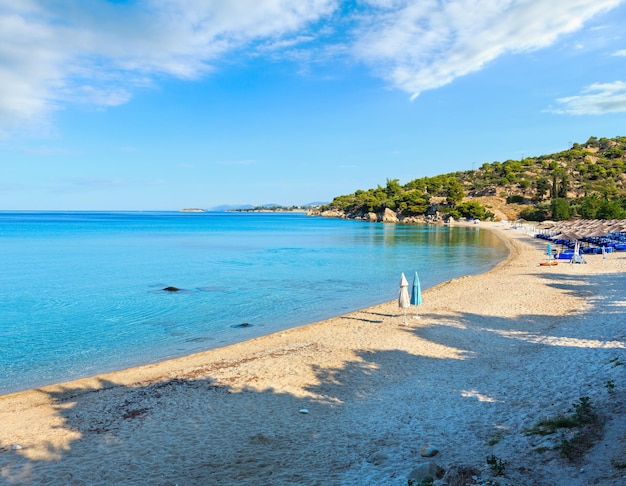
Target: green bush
517, 199
534, 214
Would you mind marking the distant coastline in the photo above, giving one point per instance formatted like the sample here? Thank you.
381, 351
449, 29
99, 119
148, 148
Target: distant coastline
308, 208
269, 210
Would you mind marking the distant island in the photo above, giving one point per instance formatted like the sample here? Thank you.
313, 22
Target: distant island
265, 208
272, 209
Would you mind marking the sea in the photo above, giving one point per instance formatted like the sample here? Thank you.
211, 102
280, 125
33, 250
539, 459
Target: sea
81, 293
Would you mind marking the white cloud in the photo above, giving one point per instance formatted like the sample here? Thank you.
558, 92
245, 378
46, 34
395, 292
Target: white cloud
422, 45
54, 53
621, 53
597, 99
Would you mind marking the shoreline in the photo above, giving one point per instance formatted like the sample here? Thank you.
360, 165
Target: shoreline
487, 357
17, 380
152, 370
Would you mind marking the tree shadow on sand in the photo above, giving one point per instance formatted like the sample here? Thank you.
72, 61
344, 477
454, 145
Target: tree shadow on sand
545, 363
503, 375
196, 431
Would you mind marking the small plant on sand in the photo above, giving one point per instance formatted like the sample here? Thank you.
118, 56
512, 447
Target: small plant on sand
581, 413
495, 438
574, 443
610, 386
577, 445
617, 464
549, 426
497, 465
424, 482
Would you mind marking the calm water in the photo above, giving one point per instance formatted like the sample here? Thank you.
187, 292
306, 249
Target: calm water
82, 292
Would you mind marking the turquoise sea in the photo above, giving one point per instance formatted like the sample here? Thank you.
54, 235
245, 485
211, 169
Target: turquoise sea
82, 291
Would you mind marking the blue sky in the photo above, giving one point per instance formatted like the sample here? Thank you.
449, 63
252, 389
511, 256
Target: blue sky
167, 104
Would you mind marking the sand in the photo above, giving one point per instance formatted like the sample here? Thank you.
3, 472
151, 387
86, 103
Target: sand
354, 399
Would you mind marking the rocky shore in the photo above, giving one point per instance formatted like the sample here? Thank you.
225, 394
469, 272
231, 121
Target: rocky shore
387, 216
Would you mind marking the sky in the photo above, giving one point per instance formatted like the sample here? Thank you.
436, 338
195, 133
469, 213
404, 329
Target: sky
171, 104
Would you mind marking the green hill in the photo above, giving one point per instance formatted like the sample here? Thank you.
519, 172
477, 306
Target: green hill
587, 181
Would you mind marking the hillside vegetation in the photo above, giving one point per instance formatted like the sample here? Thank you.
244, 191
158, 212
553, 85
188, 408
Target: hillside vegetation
586, 181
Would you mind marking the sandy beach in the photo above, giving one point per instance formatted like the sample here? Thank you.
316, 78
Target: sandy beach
357, 399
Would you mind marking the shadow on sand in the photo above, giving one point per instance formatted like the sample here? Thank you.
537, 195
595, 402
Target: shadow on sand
200, 431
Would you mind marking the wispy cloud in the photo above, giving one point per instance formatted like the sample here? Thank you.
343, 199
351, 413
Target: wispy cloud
620, 53
99, 52
423, 45
597, 99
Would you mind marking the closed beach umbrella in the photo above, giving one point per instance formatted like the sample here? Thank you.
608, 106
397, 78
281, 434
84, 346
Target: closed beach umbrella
549, 251
404, 300
416, 294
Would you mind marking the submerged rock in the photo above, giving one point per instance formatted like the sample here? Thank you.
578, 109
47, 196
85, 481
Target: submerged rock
171, 289
243, 324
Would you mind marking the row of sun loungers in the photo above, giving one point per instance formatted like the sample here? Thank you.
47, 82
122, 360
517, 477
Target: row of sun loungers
593, 236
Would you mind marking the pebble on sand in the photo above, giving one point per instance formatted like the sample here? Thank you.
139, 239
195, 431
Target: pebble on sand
429, 451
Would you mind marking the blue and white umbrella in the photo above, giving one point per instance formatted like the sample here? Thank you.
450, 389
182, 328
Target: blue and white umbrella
416, 294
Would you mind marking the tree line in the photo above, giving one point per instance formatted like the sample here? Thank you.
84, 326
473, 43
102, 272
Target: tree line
588, 181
